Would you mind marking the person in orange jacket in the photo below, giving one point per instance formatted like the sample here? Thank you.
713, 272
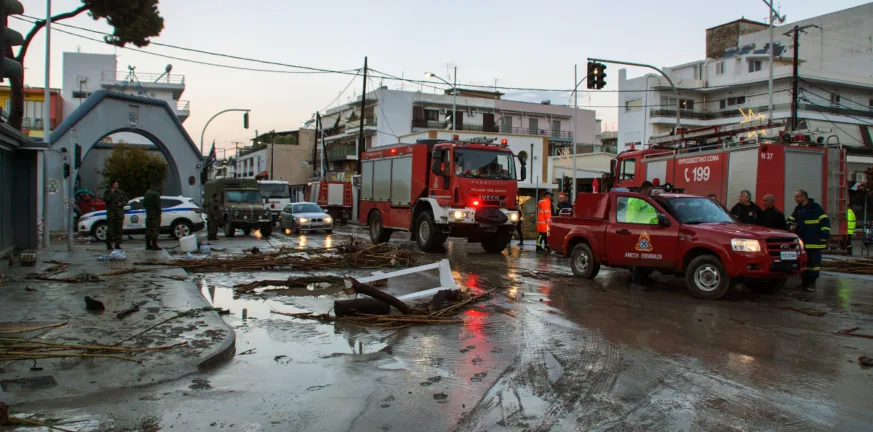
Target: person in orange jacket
544, 221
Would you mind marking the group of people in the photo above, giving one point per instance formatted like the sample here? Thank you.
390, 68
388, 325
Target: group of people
545, 211
809, 221
116, 201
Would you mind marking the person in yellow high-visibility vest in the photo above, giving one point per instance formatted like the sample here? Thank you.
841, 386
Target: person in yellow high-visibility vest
851, 224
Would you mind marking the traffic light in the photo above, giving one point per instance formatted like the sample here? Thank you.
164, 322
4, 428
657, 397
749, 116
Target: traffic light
77, 156
600, 76
9, 68
567, 186
590, 78
246, 120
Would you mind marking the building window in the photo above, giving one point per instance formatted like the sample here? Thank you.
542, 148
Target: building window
432, 115
633, 105
719, 68
732, 101
533, 126
556, 126
32, 114
628, 167
686, 104
754, 65
835, 99
670, 103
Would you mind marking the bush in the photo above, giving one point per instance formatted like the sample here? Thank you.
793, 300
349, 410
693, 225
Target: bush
134, 168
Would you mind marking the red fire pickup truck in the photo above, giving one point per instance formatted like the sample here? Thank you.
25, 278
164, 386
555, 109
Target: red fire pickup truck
678, 234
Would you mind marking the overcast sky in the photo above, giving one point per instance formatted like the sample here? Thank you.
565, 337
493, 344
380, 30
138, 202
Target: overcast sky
519, 43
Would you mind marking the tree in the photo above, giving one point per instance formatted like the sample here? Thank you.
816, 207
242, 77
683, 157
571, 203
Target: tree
134, 22
134, 168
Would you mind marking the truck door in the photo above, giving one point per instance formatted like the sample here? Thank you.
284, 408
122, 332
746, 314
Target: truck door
440, 174
626, 171
635, 238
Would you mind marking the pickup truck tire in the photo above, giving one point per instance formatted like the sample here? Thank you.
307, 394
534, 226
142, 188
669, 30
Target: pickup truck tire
706, 278
766, 286
229, 229
267, 229
378, 233
583, 263
429, 237
496, 242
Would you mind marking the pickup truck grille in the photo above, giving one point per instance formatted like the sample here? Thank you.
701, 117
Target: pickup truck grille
775, 245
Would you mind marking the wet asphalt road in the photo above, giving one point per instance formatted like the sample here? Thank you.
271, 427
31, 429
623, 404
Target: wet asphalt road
550, 352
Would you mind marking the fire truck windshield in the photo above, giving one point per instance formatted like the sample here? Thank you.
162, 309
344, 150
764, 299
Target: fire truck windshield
486, 164
693, 210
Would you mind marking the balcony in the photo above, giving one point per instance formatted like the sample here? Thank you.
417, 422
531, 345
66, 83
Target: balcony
36, 123
557, 135
183, 109
118, 81
341, 153
735, 112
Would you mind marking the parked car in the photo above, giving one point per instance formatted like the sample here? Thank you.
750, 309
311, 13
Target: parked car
181, 216
87, 202
305, 216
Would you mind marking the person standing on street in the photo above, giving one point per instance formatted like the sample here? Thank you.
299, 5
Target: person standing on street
746, 211
810, 222
851, 224
115, 201
152, 203
770, 216
564, 203
544, 222
213, 217
640, 212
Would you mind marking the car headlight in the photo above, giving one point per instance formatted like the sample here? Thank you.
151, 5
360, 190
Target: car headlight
328, 219
746, 245
513, 217
459, 214
302, 220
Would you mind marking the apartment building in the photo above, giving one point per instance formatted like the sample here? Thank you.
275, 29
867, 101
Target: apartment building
730, 85
285, 155
34, 103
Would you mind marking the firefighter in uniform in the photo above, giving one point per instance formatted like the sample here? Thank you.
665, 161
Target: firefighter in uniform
640, 212
115, 202
152, 203
852, 221
213, 217
812, 225
544, 221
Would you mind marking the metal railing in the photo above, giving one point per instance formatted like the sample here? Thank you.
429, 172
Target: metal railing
144, 78
430, 124
340, 153
735, 112
183, 105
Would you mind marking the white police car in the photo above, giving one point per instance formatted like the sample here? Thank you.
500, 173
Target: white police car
180, 217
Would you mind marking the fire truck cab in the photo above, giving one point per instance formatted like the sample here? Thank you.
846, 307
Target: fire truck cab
725, 160
438, 189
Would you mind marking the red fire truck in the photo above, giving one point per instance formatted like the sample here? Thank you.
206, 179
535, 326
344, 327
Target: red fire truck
724, 160
335, 197
438, 189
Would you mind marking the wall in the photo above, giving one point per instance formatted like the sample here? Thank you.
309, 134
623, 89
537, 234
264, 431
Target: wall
631, 124
728, 36
84, 66
90, 176
292, 161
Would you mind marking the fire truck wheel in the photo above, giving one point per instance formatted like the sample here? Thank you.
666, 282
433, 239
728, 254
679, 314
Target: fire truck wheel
766, 286
496, 243
706, 277
429, 237
582, 262
378, 233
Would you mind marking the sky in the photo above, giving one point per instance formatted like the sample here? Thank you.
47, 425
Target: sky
519, 44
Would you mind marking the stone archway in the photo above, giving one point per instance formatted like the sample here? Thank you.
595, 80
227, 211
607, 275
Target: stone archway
105, 113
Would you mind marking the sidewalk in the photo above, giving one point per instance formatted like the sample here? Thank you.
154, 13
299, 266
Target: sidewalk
29, 303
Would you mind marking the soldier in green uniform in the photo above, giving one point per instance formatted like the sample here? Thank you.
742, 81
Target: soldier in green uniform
213, 217
152, 203
115, 202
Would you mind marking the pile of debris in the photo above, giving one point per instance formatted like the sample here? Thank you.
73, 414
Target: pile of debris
860, 266
350, 254
14, 349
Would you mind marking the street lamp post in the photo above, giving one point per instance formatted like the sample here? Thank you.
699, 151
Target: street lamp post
454, 93
213, 118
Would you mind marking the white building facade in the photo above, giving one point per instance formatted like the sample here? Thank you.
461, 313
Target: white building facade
393, 116
835, 88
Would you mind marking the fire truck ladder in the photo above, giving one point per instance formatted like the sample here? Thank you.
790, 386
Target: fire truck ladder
838, 197
673, 141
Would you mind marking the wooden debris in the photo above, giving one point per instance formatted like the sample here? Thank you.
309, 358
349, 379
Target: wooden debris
860, 266
865, 361
27, 330
851, 332
808, 311
292, 282
381, 296
19, 420
360, 306
348, 255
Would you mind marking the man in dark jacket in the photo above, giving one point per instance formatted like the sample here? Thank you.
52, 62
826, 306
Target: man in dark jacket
770, 216
746, 211
812, 225
151, 201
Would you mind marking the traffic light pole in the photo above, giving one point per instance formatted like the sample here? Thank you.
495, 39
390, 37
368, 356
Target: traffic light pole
213, 118
675, 91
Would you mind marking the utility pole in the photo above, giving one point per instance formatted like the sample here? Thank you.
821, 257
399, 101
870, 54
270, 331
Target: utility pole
272, 152
363, 117
46, 110
796, 76
773, 16
573, 191
315, 145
